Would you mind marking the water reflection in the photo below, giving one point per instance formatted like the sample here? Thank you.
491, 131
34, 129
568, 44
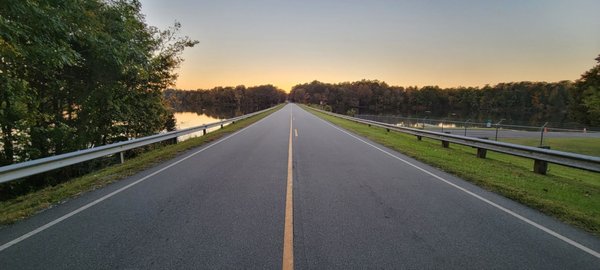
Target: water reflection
192, 116
523, 118
192, 119
218, 112
422, 124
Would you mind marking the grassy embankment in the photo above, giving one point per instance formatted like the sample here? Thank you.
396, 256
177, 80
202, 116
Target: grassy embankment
570, 195
585, 146
27, 205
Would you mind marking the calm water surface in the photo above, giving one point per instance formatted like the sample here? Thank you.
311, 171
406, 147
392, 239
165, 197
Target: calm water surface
192, 119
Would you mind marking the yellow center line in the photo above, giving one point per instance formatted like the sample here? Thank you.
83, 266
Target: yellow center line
288, 232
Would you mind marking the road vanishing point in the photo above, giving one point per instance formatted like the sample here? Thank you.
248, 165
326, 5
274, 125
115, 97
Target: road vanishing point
294, 191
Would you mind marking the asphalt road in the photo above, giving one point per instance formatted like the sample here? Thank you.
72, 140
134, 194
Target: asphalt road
357, 205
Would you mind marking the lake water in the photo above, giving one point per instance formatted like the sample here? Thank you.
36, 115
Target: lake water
193, 119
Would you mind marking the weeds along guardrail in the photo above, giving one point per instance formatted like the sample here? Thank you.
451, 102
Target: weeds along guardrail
29, 168
540, 156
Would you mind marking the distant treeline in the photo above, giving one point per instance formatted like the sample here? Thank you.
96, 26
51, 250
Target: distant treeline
241, 99
530, 101
507, 100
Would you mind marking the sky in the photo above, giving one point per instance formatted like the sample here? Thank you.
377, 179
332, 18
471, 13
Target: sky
404, 43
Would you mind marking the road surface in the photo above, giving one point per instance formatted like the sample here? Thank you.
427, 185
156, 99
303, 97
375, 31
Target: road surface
354, 205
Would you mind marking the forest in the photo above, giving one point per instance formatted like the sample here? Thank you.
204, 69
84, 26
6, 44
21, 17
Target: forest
530, 102
78, 74
225, 102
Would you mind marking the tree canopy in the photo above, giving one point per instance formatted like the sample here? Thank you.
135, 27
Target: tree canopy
228, 100
506, 100
76, 74
585, 99
531, 102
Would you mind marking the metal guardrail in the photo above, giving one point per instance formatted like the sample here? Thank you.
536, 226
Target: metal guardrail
463, 123
28, 168
540, 156
433, 124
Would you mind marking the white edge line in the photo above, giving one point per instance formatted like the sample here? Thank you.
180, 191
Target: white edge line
522, 218
80, 209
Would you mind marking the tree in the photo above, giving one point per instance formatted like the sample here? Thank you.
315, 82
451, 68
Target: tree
76, 74
223, 99
532, 101
585, 97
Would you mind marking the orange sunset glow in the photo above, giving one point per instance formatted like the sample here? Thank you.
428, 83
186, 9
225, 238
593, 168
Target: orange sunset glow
406, 43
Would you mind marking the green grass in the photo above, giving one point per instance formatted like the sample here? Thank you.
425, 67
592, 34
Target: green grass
570, 195
29, 204
585, 146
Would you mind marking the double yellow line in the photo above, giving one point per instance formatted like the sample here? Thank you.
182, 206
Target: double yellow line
288, 232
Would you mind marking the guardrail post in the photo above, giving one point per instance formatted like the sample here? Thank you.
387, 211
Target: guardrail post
443, 120
498, 126
204, 132
221, 125
445, 144
542, 134
541, 166
122, 156
481, 153
419, 138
